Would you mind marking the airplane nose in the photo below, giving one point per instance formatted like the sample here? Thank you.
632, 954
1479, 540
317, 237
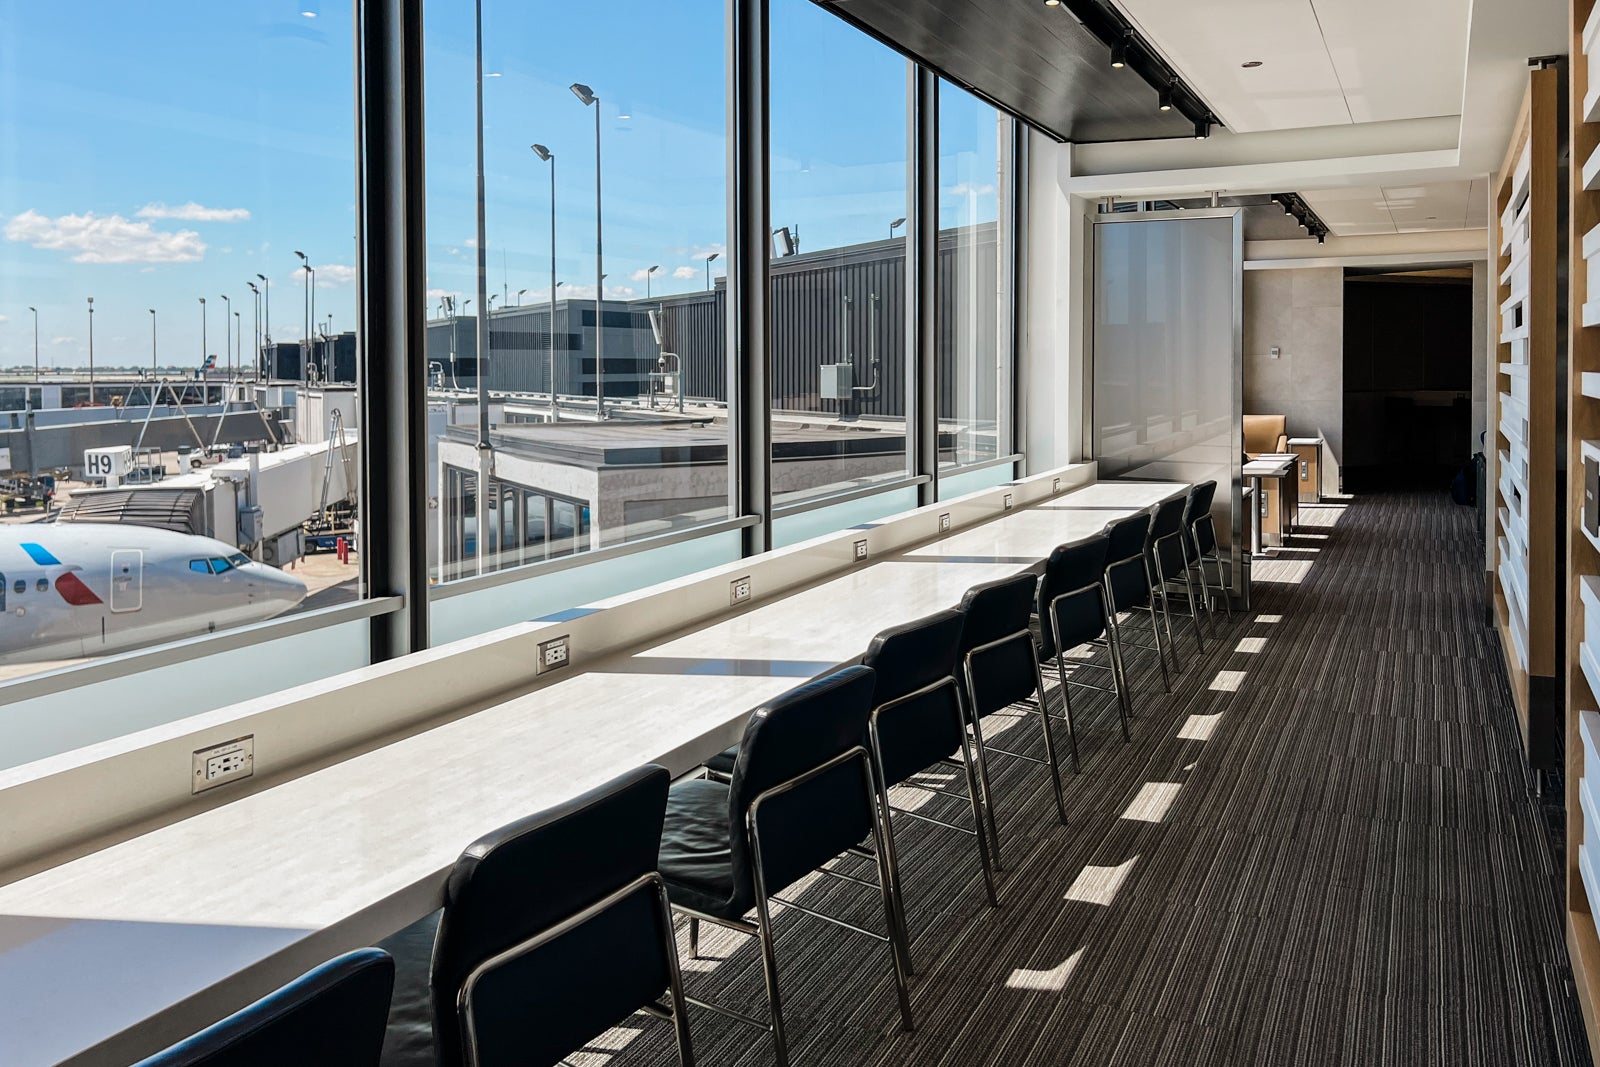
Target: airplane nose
278, 587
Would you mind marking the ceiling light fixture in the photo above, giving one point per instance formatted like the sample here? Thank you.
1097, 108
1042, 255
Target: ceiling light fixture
1164, 98
1052, 3
1119, 53
1202, 130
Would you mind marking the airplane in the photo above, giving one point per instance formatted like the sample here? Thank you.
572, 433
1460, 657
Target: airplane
87, 589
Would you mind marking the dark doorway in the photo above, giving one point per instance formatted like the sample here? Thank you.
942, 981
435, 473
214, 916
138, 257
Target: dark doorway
1407, 378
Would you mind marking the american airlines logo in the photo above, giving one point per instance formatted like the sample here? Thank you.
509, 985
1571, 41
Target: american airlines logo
68, 584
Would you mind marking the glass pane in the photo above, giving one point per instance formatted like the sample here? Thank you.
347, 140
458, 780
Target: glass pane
838, 300
974, 317
604, 154
162, 167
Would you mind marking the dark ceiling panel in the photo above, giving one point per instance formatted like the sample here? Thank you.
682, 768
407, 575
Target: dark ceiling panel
1035, 61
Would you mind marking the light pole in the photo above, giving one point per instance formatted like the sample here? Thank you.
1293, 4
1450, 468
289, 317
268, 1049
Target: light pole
491, 302
895, 225
550, 157
35, 342
484, 445
227, 334
709, 258
203, 345
152, 344
238, 345
255, 332
91, 351
519, 296
266, 317
588, 99
647, 275
308, 346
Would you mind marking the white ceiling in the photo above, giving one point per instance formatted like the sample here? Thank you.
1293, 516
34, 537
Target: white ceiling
1458, 205
1323, 62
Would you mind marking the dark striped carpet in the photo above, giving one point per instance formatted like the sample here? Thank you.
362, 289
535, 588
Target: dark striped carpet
1320, 849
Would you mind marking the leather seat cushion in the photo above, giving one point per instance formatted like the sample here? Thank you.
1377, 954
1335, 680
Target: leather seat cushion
696, 857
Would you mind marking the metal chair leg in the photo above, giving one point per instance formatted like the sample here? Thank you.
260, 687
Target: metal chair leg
978, 823
898, 950
1160, 586
694, 938
1119, 673
1050, 746
987, 790
1066, 709
1227, 602
1194, 614
680, 1003
769, 967
897, 912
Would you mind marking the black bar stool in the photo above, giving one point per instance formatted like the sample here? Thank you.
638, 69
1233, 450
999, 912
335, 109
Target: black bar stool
555, 929
1170, 563
1072, 610
1129, 585
917, 723
999, 668
1202, 540
332, 1014
802, 792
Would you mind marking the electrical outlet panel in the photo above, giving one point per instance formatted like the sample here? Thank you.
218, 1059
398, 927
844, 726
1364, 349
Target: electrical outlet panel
944, 522
1008, 501
861, 550
739, 590
556, 652
1055, 485
224, 763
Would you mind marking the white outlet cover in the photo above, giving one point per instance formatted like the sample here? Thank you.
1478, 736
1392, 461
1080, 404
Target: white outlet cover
1055, 485
1008, 501
220, 764
944, 522
861, 549
739, 590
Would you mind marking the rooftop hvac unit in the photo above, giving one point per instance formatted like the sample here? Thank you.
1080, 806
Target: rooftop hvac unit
837, 381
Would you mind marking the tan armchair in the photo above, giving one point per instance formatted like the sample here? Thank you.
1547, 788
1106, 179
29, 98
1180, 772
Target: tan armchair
1264, 434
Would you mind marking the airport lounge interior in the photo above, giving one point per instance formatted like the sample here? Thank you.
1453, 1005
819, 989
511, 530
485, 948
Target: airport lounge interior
1051, 533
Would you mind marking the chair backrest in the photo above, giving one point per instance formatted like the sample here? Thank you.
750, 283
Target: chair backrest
1264, 433
998, 611
1125, 561
333, 1014
1200, 521
1082, 618
1164, 547
508, 892
789, 738
915, 703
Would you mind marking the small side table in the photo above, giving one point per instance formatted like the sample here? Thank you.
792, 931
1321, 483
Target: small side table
1308, 467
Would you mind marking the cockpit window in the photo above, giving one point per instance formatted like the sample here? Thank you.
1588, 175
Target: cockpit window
238, 559
220, 565
199, 566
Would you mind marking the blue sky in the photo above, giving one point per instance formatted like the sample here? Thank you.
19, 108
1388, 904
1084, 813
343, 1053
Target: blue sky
151, 155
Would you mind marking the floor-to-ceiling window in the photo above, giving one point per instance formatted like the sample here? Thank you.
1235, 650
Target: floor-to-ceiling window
975, 300
178, 307
598, 415
839, 289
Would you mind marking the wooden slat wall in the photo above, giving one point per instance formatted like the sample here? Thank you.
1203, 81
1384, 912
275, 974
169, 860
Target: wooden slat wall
1535, 690
1583, 422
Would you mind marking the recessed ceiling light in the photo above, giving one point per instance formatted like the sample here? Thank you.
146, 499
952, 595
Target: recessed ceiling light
1251, 64
1052, 3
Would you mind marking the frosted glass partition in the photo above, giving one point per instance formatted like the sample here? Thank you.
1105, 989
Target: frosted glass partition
961, 483
808, 524
1167, 356
88, 714
465, 614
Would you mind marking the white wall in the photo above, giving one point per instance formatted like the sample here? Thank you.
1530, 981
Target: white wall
1300, 312
1051, 362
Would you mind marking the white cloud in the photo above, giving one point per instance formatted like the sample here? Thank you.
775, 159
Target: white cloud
472, 242
63, 340
639, 275
439, 294
193, 212
4, 319
105, 238
969, 189
328, 274
715, 250
686, 272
